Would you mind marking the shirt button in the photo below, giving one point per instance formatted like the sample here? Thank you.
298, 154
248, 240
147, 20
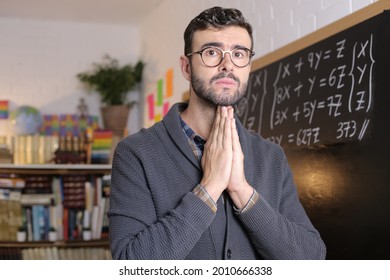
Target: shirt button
229, 254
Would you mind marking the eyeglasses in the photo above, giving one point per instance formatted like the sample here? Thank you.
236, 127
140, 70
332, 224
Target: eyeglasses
213, 56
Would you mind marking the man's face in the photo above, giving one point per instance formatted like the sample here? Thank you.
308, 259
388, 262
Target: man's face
225, 84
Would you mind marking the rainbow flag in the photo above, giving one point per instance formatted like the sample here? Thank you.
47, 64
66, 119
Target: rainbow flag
3, 109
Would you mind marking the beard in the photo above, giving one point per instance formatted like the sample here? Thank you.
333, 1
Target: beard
210, 97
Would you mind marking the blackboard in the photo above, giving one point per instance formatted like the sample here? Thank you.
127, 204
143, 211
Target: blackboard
321, 95
343, 180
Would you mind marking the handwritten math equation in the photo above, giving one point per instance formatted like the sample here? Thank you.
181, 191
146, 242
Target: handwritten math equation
322, 95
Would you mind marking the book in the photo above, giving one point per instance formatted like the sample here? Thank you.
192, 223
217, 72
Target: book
74, 191
102, 146
12, 182
10, 214
35, 210
37, 184
33, 199
5, 153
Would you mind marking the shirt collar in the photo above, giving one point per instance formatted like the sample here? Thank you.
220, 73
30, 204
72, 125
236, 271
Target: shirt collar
199, 141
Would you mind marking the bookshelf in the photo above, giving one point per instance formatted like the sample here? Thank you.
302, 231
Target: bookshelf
71, 199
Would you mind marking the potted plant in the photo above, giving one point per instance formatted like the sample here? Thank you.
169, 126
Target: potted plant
113, 82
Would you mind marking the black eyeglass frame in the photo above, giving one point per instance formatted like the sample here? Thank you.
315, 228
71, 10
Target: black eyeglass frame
251, 54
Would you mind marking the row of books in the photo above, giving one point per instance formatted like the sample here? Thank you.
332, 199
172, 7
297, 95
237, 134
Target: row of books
55, 253
42, 149
67, 205
34, 149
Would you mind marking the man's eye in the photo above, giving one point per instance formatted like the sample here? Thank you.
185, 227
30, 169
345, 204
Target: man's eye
239, 54
211, 53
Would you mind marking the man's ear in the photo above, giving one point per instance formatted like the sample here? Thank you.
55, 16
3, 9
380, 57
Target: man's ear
185, 67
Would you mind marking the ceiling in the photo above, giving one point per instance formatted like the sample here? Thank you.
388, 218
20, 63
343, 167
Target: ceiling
99, 11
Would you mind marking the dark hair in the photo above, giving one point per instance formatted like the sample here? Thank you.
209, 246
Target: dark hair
215, 17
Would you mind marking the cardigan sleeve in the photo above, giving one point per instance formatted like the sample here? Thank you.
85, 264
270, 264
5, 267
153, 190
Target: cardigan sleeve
135, 230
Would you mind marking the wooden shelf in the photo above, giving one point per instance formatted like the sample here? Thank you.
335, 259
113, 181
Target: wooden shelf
60, 243
59, 169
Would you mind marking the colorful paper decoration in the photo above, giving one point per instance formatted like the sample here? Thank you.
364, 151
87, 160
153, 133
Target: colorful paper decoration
158, 102
4, 112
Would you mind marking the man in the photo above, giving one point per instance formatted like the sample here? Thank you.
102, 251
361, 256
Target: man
198, 185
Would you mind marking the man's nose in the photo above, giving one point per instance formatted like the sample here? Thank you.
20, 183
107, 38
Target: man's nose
227, 62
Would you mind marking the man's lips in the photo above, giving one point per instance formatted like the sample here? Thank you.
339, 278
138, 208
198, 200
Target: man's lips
226, 82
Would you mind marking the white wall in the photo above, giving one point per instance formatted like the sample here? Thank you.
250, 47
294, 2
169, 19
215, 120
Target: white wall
39, 60
275, 22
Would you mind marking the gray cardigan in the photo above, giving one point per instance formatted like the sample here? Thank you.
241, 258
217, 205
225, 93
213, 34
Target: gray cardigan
154, 214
